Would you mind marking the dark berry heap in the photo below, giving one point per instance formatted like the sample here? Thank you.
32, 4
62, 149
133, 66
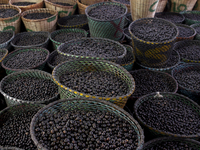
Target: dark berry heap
85, 130
154, 31
124, 1
38, 15
28, 40
64, 37
192, 16
106, 12
175, 18
197, 29
93, 48
6, 13
102, 84
190, 52
27, 59
31, 89
169, 115
149, 81
15, 131
5, 36
185, 31
76, 20
189, 79
23, 3
64, 4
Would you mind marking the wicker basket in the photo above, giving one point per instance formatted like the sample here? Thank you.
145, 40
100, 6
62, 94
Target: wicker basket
127, 5
72, 30
189, 21
46, 24
26, 73
159, 133
81, 7
161, 5
152, 54
85, 105
187, 67
4, 2
186, 38
93, 65
111, 29
117, 45
11, 23
178, 20
182, 5
7, 44
39, 4
197, 6
192, 144
195, 26
62, 10
20, 35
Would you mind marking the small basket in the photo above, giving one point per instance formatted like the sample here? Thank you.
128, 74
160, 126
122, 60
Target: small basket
195, 26
187, 67
148, 53
117, 45
11, 23
186, 38
161, 5
179, 17
71, 30
38, 4
25, 73
46, 24
62, 10
189, 21
18, 51
159, 133
111, 29
127, 5
94, 65
189, 142
81, 7
20, 35
85, 105
4, 2
7, 44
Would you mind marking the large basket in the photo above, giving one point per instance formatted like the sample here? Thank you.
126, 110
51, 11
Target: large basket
38, 4
91, 66
112, 29
187, 67
84, 104
46, 24
11, 23
119, 47
72, 30
189, 21
161, 5
81, 7
195, 26
158, 133
182, 5
186, 38
179, 17
20, 35
7, 44
189, 142
127, 5
18, 51
62, 10
26, 73
148, 53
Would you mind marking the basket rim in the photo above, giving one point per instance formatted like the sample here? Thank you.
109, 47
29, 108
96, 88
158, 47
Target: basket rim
107, 3
32, 125
149, 42
137, 102
6, 53
19, 50
11, 3
128, 94
61, 6
129, 37
171, 13
11, 6
28, 33
10, 38
190, 11
20, 100
30, 11
184, 66
92, 57
184, 25
158, 72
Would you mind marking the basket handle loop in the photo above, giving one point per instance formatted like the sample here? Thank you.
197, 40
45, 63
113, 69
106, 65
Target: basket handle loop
158, 95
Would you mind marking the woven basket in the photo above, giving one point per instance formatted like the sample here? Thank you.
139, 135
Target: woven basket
85, 105
81, 7
72, 30
186, 38
118, 47
93, 65
7, 44
111, 29
196, 25
197, 6
25, 73
18, 51
62, 10
46, 24
20, 35
192, 144
152, 54
127, 5
187, 67
161, 5
4, 2
179, 21
11, 23
159, 133
13, 111
39, 4
189, 21
182, 5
